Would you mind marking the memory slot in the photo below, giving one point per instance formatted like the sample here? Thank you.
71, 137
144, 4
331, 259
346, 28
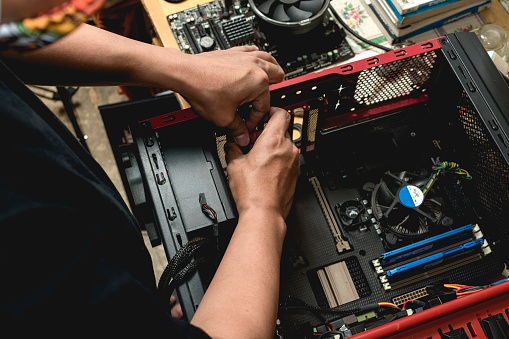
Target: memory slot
433, 272
420, 266
190, 39
218, 35
429, 244
427, 254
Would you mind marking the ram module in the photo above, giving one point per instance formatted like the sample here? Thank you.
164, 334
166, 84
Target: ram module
434, 259
430, 257
434, 264
426, 246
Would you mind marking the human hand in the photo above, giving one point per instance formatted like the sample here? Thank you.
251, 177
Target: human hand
265, 178
221, 81
176, 310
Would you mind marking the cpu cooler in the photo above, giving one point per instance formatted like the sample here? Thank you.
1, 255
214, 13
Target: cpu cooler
402, 208
298, 16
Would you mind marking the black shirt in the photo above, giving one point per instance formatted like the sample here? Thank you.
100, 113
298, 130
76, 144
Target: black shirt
72, 259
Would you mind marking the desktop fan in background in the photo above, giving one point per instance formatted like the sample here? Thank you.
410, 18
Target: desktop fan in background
402, 208
299, 16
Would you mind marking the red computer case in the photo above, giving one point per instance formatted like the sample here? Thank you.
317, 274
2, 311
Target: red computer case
441, 98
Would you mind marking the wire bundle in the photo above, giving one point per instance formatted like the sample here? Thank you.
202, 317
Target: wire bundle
464, 290
331, 333
181, 267
390, 305
209, 212
447, 167
206, 209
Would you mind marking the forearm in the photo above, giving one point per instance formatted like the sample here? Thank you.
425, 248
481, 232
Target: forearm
241, 301
91, 56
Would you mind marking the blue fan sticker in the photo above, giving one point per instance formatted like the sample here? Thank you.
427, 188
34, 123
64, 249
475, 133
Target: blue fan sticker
411, 196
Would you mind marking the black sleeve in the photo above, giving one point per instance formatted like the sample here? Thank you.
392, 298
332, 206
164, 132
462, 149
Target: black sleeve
72, 259
57, 280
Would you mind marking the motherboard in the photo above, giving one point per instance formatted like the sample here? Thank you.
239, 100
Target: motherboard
213, 26
389, 226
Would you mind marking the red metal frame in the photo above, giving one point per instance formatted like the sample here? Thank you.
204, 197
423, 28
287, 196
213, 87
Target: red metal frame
172, 118
360, 65
466, 312
344, 119
354, 67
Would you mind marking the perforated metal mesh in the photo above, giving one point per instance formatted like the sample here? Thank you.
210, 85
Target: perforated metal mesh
488, 168
312, 123
220, 142
394, 79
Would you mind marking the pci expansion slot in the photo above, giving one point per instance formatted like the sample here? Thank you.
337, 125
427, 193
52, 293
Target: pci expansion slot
341, 244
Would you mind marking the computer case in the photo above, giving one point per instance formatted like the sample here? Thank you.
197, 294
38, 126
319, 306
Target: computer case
432, 116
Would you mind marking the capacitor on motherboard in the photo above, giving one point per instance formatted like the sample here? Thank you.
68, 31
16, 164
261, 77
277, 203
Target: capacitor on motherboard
329, 56
335, 53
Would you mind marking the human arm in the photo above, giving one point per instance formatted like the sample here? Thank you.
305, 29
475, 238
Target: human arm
214, 83
241, 301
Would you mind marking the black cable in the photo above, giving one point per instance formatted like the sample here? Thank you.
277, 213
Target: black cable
183, 275
292, 305
355, 34
179, 259
178, 266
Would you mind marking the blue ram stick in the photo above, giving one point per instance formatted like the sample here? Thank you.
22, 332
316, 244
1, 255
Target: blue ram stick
435, 257
426, 245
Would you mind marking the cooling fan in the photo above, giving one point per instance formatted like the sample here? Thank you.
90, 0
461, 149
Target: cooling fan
402, 208
352, 214
300, 16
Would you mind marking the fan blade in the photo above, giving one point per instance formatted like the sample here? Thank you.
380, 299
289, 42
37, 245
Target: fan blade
431, 210
298, 14
384, 195
312, 6
394, 183
418, 181
265, 7
288, 2
413, 224
403, 222
280, 14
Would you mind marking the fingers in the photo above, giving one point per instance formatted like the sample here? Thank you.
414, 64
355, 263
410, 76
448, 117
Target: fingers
244, 48
239, 131
232, 152
279, 121
176, 311
260, 108
267, 62
265, 56
274, 71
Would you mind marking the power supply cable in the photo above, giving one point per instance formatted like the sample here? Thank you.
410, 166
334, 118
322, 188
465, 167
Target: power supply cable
355, 34
292, 305
181, 267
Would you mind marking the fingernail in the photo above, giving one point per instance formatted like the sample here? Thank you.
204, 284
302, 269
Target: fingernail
242, 140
